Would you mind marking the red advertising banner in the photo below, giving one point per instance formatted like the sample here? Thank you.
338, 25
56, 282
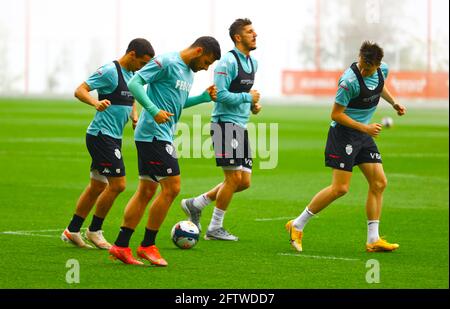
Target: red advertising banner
402, 84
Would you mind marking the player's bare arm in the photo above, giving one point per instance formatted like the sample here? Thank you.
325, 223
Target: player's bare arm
134, 115
340, 117
82, 94
386, 94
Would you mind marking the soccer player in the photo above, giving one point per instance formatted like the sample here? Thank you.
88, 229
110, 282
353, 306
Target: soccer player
169, 78
114, 106
234, 78
350, 142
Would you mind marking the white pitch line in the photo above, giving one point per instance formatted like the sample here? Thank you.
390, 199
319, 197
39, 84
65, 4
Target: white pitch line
318, 257
33, 233
273, 219
27, 234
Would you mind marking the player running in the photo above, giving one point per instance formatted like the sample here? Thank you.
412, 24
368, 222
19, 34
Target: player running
350, 142
234, 77
169, 78
114, 106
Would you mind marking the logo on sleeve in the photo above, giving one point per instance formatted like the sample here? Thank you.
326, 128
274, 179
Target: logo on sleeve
344, 85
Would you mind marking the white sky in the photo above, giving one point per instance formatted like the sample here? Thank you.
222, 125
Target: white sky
69, 39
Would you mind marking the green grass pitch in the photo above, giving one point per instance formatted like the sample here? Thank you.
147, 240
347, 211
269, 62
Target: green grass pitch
45, 167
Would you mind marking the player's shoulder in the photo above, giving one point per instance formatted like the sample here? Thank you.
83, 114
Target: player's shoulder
226, 62
106, 69
167, 59
384, 68
348, 77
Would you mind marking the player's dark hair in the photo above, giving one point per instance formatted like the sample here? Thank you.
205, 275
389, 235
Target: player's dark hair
371, 53
209, 45
141, 47
237, 26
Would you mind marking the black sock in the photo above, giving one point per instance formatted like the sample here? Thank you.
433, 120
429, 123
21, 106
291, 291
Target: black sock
96, 224
123, 240
75, 224
149, 238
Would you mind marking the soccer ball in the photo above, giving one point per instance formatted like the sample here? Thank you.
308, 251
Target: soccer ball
185, 234
387, 122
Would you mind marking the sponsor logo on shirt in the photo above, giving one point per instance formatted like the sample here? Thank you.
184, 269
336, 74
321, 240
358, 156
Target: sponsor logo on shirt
372, 98
183, 85
125, 93
247, 82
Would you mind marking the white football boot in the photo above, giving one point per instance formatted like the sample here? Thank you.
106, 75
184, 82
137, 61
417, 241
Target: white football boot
74, 239
98, 239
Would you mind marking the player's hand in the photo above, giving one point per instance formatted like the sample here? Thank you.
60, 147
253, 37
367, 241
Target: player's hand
102, 105
255, 96
256, 108
373, 129
134, 120
162, 116
212, 91
401, 110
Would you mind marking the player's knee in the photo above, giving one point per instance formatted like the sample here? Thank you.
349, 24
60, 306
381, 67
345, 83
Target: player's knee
97, 188
340, 190
117, 187
378, 185
147, 191
245, 184
234, 179
172, 190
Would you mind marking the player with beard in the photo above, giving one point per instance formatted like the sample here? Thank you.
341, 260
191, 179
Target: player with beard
169, 78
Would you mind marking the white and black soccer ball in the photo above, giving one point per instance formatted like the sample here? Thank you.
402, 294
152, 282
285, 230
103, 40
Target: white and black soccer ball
185, 234
387, 122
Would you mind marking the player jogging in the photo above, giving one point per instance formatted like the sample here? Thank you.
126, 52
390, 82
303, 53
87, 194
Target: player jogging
350, 142
114, 106
234, 77
169, 78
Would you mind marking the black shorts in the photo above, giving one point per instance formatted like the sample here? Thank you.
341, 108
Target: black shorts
231, 145
157, 159
347, 147
106, 155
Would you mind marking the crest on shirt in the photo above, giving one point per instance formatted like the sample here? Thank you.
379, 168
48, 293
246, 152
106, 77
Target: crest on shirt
349, 149
117, 153
169, 149
234, 143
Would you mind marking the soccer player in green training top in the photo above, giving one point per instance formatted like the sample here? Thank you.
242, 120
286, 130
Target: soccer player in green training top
114, 106
234, 77
169, 78
350, 142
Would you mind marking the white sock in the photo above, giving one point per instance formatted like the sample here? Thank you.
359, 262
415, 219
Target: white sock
372, 231
201, 201
300, 221
217, 219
